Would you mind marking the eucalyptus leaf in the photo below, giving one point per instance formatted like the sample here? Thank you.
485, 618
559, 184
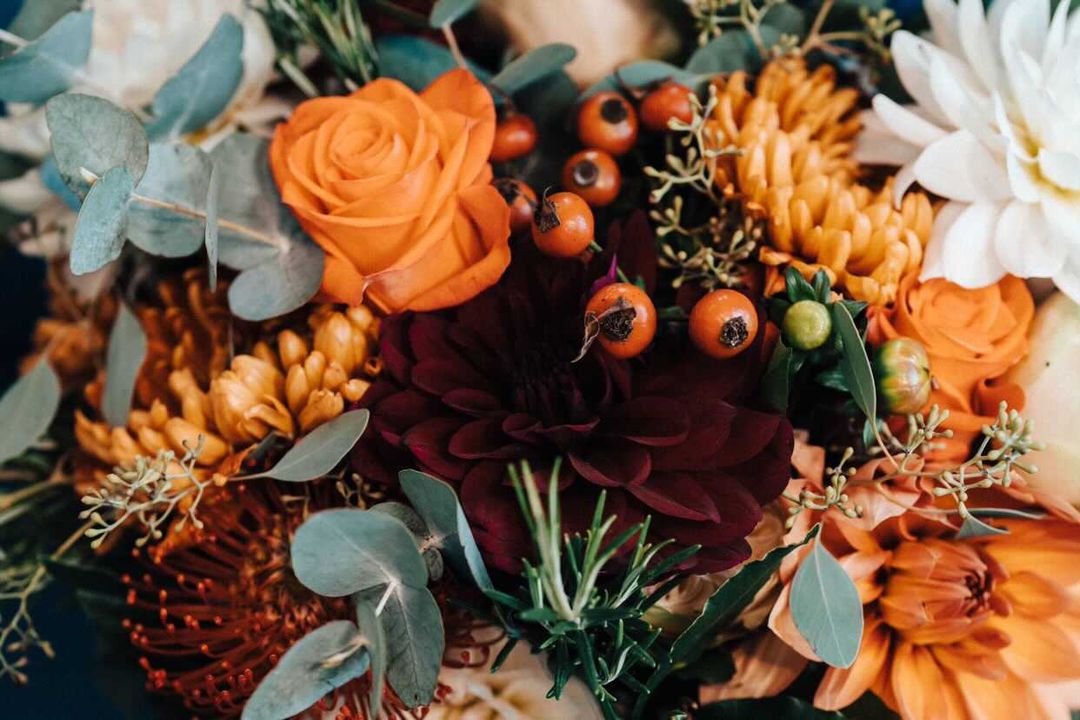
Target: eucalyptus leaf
734, 50
50, 64
280, 284
729, 600
447, 12
786, 19
341, 552
303, 675
27, 409
37, 16
972, 527
127, 350
992, 512
532, 66
210, 238
408, 517
645, 72
318, 452
855, 364
99, 229
826, 608
438, 505
92, 133
177, 181
204, 86
417, 61
414, 641
375, 641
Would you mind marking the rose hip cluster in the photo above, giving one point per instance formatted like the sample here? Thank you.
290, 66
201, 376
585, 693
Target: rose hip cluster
620, 317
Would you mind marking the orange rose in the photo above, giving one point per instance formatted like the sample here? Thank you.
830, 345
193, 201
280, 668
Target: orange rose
972, 337
395, 187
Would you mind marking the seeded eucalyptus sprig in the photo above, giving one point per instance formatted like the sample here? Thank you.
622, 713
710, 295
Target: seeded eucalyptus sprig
574, 604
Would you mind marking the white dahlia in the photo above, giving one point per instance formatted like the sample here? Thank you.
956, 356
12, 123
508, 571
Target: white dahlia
995, 129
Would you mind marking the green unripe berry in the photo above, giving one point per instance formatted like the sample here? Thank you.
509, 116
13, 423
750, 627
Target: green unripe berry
902, 374
807, 325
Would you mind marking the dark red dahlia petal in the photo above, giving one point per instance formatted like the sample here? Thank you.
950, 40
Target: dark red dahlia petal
613, 464
428, 442
766, 474
716, 558
443, 375
477, 403
677, 495
427, 336
400, 412
526, 428
394, 347
652, 421
710, 422
739, 515
751, 432
484, 440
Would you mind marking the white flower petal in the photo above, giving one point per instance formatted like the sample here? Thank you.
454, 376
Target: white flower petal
969, 258
1063, 217
1025, 244
1025, 24
934, 258
1024, 186
959, 167
957, 91
904, 123
1055, 35
876, 144
902, 180
975, 38
1062, 169
1068, 278
942, 17
911, 56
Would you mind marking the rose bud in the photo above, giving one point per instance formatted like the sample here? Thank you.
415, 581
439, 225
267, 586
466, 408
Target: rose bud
902, 374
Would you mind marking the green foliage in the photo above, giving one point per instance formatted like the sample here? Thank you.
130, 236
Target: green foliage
280, 285
973, 527
734, 50
204, 86
27, 409
447, 12
102, 222
92, 133
856, 364
826, 608
320, 662
125, 355
320, 450
50, 64
644, 73
417, 61
367, 617
532, 66
415, 640
169, 218
36, 17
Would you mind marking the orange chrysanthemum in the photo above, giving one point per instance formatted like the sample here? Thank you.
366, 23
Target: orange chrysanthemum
985, 627
794, 131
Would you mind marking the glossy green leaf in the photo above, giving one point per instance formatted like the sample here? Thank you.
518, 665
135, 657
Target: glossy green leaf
414, 641
50, 64
826, 608
729, 600
27, 409
773, 708
972, 527
532, 66
796, 286
375, 640
204, 86
341, 552
280, 284
177, 174
438, 505
446, 12
776, 383
855, 364
127, 350
320, 450
317, 664
100, 227
822, 287
92, 133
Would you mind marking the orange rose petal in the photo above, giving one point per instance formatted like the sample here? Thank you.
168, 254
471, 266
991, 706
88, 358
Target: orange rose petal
341, 282
460, 91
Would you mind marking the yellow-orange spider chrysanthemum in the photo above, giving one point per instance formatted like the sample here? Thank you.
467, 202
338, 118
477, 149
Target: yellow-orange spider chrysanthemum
794, 130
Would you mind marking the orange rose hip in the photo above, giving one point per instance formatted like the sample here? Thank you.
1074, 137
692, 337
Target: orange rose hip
562, 225
723, 323
522, 201
515, 136
594, 175
670, 100
607, 121
625, 318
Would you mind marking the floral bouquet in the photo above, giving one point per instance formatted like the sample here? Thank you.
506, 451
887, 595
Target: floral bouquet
549, 359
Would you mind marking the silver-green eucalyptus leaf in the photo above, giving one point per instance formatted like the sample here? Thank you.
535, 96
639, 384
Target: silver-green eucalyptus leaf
92, 133
27, 409
319, 452
341, 552
210, 238
371, 628
317, 664
280, 284
447, 12
125, 355
826, 608
102, 222
532, 66
34, 18
415, 640
50, 64
177, 186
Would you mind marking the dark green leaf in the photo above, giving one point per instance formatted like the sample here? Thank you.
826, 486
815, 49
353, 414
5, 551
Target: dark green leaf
826, 608
341, 552
27, 409
414, 641
204, 86
973, 527
320, 450
822, 287
50, 64
834, 379
533, 65
728, 601
92, 133
797, 287
312, 668
776, 383
446, 12
773, 708
855, 364
99, 229
127, 350
438, 504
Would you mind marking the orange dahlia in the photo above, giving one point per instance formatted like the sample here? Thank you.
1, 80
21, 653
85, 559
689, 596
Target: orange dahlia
985, 627
794, 131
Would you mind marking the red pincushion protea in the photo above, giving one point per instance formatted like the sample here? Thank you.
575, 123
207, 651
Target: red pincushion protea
466, 391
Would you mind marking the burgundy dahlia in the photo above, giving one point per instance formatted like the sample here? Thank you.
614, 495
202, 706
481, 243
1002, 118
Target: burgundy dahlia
467, 391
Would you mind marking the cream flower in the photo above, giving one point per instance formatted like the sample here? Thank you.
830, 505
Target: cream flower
995, 129
517, 691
